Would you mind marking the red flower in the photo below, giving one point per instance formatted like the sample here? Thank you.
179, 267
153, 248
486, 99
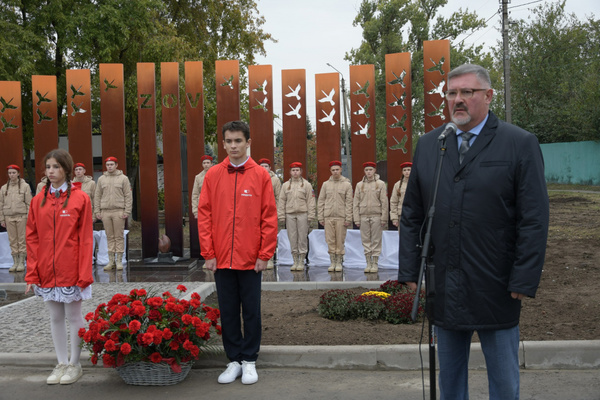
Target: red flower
155, 315
110, 345
81, 332
155, 357
125, 348
108, 360
174, 345
134, 326
195, 296
186, 319
94, 359
181, 288
167, 334
155, 302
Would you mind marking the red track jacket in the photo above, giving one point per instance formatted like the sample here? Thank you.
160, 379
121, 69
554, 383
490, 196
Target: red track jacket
60, 241
237, 216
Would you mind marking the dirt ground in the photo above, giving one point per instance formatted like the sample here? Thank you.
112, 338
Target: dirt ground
567, 305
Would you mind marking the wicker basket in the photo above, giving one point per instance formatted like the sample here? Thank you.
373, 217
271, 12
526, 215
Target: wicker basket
146, 373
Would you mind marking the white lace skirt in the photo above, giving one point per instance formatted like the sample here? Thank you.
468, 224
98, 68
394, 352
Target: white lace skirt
60, 294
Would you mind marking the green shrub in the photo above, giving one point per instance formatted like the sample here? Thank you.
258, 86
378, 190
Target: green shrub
369, 306
336, 304
398, 308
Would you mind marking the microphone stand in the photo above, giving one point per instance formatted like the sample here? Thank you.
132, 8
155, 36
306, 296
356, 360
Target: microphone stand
427, 270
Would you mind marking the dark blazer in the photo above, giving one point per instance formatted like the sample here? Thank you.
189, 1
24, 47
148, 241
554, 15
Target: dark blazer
490, 225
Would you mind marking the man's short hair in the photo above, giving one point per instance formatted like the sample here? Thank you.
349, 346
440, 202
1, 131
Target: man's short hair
481, 73
237, 126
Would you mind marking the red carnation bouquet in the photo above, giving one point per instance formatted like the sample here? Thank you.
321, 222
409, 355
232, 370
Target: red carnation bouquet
145, 327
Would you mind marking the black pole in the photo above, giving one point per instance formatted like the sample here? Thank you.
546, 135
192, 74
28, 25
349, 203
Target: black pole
427, 270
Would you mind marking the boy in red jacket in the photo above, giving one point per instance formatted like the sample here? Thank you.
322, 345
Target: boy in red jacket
237, 228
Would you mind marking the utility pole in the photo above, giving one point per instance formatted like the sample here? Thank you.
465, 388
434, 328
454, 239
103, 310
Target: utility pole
346, 129
505, 24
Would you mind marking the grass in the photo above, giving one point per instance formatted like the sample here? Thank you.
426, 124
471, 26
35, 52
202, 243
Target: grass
567, 187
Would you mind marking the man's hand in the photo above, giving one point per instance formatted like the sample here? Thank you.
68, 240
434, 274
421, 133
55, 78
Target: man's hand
124, 216
517, 296
260, 265
347, 224
395, 223
99, 216
411, 285
211, 264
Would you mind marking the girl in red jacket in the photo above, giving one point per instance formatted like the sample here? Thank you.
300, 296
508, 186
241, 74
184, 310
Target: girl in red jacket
59, 259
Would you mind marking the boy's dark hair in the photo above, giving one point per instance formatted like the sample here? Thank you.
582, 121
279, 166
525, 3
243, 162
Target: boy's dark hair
237, 126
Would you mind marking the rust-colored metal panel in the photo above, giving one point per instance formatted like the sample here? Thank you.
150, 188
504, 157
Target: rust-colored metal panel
146, 103
194, 117
436, 61
398, 99
79, 117
112, 113
362, 118
227, 73
327, 102
11, 125
169, 77
45, 119
293, 106
260, 87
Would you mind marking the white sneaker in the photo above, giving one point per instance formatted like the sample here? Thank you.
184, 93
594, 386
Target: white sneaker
56, 374
233, 371
249, 375
72, 374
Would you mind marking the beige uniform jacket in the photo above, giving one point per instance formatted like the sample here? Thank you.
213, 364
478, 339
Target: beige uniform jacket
370, 199
16, 201
88, 185
397, 199
40, 187
276, 184
296, 197
198, 181
335, 199
113, 192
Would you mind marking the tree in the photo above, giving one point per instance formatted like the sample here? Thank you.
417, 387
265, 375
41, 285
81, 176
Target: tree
555, 64
393, 26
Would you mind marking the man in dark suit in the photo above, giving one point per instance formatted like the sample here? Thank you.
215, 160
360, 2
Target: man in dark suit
489, 233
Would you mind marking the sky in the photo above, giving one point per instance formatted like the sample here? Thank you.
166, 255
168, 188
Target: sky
312, 33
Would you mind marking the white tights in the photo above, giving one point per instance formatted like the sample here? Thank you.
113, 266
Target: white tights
72, 312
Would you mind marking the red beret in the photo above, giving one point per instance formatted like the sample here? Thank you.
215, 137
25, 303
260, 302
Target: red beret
405, 165
369, 164
206, 157
111, 159
13, 166
296, 165
264, 161
334, 163
79, 165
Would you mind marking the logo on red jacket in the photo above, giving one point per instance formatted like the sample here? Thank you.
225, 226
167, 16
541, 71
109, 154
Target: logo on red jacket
64, 213
246, 193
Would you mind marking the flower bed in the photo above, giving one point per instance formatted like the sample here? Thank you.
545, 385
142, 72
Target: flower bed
392, 302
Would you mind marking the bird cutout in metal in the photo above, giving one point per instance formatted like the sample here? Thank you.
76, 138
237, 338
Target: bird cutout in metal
437, 67
261, 105
76, 92
328, 117
7, 124
399, 102
363, 110
42, 116
437, 88
438, 111
261, 88
42, 98
400, 145
228, 82
294, 92
295, 111
328, 97
364, 130
362, 89
109, 85
399, 122
77, 109
399, 80
6, 105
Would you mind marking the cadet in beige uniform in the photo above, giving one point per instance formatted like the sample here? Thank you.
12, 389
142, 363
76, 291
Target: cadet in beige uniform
207, 162
266, 164
398, 194
87, 182
40, 187
112, 204
335, 213
371, 214
15, 197
296, 208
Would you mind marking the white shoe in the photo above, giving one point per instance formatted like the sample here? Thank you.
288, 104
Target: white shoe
233, 371
56, 374
72, 374
249, 375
